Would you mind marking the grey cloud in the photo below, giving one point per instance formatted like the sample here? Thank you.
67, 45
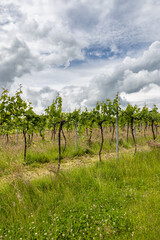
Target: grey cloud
133, 74
16, 61
56, 46
127, 23
123, 10
73, 97
33, 96
58, 35
9, 13
103, 86
46, 90
150, 59
130, 76
42, 98
64, 49
123, 79
151, 102
83, 17
36, 31
148, 95
67, 27
133, 82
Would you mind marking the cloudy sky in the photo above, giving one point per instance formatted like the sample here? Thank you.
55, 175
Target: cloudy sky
87, 50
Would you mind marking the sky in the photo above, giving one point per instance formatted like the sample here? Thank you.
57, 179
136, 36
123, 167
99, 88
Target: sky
85, 50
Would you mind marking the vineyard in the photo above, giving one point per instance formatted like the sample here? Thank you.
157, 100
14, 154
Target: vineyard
58, 167
18, 119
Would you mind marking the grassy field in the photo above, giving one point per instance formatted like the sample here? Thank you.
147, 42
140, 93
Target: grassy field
88, 200
39, 152
108, 201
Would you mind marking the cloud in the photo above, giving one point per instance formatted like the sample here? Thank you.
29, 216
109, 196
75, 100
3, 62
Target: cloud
133, 73
55, 45
73, 97
149, 60
46, 43
41, 99
133, 82
9, 13
129, 77
148, 95
83, 17
16, 60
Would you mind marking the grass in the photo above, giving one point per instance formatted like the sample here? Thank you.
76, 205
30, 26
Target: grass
104, 201
7, 162
43, 152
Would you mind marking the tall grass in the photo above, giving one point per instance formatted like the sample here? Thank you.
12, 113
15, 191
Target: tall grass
113, 200
11, 154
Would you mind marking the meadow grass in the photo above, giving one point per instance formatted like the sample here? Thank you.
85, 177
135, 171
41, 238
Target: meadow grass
111, 200
12, 156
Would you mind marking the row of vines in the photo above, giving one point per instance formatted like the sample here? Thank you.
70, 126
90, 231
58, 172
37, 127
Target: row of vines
17, 116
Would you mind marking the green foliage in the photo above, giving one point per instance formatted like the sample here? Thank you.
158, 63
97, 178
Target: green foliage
15, 113
54, 112
153, 114
131, 112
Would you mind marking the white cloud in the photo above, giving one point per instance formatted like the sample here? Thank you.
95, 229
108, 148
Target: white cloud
148, 95
39, 40
133, 82
130, 76
16, 61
